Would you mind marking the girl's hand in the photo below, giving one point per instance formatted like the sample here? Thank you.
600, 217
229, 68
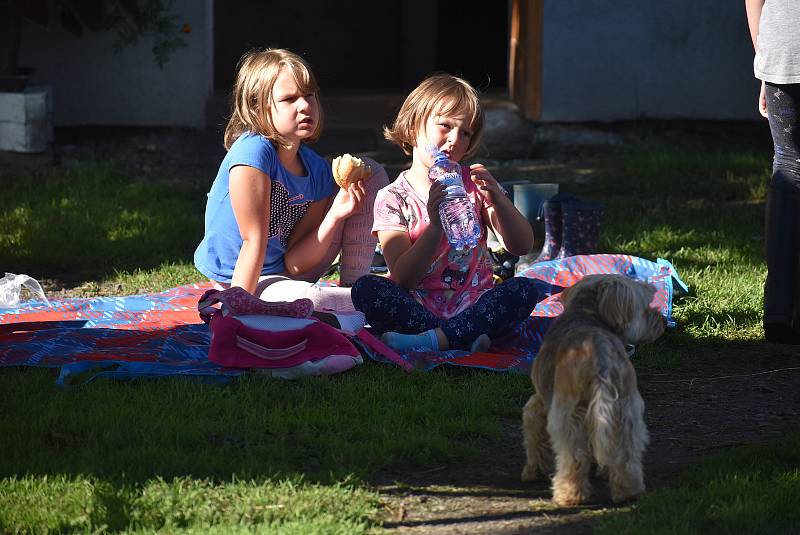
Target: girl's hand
489, 187
347, 201
435, 197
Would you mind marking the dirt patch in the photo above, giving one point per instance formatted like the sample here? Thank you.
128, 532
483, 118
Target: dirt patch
744, 394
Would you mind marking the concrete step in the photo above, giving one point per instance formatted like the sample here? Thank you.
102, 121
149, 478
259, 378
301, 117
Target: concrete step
342, 110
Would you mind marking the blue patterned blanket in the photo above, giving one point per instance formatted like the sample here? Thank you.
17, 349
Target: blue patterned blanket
161, 334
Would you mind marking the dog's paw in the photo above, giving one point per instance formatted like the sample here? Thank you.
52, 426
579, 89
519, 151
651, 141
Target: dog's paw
567, 497
571, 491
530, 473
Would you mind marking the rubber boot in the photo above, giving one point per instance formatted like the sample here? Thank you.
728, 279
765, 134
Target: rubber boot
782, 239
580, 223
552, 230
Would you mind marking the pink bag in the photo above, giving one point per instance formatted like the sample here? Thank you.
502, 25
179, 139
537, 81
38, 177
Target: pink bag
279, 338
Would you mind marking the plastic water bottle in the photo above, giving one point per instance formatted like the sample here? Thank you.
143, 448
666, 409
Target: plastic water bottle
456, 211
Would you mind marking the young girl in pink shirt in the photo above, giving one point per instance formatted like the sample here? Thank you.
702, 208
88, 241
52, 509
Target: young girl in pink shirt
435, 296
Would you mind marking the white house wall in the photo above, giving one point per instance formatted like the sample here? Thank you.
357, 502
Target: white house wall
93, 86
623, 59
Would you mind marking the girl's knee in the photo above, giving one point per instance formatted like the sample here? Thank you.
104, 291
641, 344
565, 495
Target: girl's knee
281, 288
365, 281
517, 284
525, 287
363, 288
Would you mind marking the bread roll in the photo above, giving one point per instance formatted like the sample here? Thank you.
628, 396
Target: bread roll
348, 169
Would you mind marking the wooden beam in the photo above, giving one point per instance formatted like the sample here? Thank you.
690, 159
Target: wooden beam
525, 56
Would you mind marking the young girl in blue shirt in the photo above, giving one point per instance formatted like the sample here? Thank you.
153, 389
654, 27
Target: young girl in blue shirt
275, 219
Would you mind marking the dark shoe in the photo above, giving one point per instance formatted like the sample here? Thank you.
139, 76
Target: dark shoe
780, 333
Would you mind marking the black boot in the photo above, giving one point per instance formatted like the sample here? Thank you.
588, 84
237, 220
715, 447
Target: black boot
552, 230
782, 239
580, 228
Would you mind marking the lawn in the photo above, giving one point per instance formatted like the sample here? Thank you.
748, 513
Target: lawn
299, 457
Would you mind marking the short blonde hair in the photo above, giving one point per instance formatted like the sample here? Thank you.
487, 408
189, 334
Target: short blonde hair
441, 94
252, 93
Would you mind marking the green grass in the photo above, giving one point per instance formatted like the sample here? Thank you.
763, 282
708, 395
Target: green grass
294, 455
62, 503
703, 211
326, 428
298, 457
95, 225
754, 489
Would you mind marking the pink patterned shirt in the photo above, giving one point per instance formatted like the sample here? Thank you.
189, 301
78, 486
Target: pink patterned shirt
455, 280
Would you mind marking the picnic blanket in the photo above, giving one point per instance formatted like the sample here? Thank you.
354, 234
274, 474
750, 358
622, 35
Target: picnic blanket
515, 352
161, 334
141, 335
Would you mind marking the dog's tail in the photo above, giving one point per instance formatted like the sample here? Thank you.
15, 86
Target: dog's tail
615, 415
574, 375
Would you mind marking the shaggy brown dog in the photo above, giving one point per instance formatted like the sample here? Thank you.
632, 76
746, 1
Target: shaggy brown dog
586, 403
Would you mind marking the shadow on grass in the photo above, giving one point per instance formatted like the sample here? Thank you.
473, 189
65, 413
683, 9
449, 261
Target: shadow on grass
377, 419
323, 428
679, 353
91, 221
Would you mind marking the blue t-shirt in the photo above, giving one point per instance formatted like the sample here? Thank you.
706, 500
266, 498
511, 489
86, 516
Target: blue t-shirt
290, 198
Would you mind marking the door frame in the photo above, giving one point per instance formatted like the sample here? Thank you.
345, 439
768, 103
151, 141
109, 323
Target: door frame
525, 56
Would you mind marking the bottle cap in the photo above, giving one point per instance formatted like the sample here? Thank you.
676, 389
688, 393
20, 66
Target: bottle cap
439, 157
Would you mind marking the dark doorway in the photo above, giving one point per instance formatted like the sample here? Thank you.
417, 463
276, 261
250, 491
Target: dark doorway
351, 44
473, 42
362, 46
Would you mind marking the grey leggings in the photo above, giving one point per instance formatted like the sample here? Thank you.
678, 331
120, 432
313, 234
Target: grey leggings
782, 222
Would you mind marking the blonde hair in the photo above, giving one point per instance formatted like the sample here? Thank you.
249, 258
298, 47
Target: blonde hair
251, 102
441, 94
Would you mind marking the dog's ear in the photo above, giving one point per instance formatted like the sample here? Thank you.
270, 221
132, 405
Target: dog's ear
616, 302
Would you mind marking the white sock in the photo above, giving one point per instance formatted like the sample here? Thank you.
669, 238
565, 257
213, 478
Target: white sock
403, 342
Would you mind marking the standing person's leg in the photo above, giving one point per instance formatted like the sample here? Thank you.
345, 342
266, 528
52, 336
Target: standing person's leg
497, 312
782, 217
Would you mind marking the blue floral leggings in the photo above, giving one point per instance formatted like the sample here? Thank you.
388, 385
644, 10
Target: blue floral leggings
388, 307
